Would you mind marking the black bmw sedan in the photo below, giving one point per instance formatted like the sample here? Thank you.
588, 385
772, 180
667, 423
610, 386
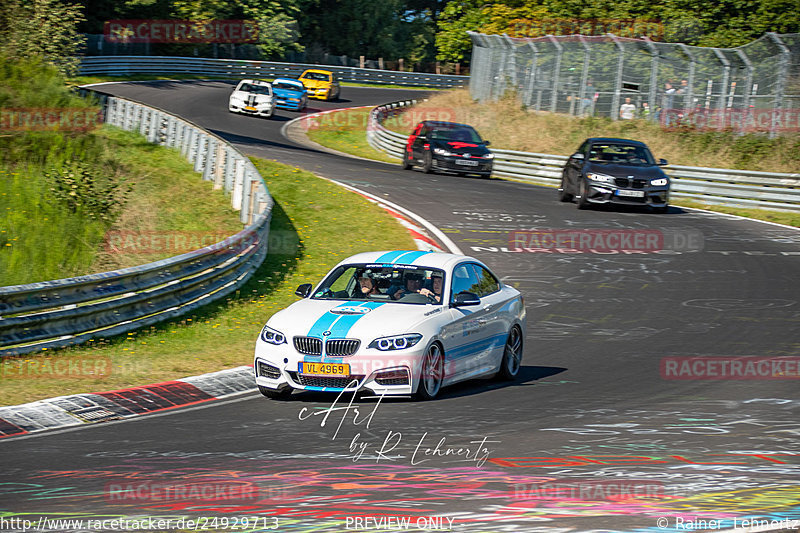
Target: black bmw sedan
449, 146
621, 171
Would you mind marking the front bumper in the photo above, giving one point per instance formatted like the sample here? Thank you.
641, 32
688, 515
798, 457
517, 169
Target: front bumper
321, 94
286, 104
382, 373
461, 164
605, 193
261, 110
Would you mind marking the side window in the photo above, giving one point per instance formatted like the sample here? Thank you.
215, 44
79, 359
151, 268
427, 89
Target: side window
487, 283
584, 146
424, 131
418, 129
464, 279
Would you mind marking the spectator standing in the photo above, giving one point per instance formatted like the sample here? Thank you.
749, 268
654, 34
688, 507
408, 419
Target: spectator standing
627, 111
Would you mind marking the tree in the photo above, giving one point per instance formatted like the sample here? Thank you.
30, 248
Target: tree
42, 28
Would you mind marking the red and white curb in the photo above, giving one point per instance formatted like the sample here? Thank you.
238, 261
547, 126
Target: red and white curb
91, 408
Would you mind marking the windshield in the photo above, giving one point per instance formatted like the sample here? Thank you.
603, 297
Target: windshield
317, 76
381, 282
255, 89
625, 154
455, 133
287, 86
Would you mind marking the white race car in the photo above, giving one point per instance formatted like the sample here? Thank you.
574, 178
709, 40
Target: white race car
393, 323
252, 97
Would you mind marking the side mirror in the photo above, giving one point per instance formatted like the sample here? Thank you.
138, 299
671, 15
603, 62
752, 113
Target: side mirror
577, 155
466, 298
304, 290
487, 143
662, 162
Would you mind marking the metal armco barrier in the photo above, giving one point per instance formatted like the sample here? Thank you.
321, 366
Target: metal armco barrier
743, 188
58, 313
236, 68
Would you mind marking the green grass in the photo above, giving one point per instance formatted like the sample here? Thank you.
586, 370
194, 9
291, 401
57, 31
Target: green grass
315, 224
41, 239
345, 131
779, 217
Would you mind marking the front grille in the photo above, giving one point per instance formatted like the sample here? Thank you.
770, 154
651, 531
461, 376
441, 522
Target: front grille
622, 182
337, 382
268, 371
393, 378
639, 184
341, 347
308, 345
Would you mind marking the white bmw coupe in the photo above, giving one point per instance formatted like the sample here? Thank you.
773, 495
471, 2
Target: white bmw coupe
252, 97
393, 323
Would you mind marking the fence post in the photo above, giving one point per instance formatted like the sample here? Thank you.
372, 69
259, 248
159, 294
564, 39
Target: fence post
726, 75
618, 88
780, 87
688, 98
652, 95
748, 86
584, 76
556, 72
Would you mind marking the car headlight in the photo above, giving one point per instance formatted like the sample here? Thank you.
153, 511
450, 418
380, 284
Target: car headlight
272, 336
489, 156
659, 182
441, 151
396, 342
599, 177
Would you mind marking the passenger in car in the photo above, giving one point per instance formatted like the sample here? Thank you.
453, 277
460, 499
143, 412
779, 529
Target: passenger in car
367, 287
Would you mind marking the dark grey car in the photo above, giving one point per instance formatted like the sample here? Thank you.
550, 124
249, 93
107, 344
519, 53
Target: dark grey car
620, 171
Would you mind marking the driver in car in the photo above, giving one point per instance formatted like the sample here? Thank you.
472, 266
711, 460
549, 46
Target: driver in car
412, 285
435, 292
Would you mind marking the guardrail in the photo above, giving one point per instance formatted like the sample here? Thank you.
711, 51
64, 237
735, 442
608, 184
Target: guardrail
59, 313
236, 68
743, 188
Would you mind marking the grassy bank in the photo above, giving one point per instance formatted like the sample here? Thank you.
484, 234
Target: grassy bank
345, 131
309, 220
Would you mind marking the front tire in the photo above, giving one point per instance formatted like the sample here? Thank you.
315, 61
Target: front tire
406, 163
431, 374
273, 394
583, 203
512, 355
563, 195
427, 162
661, 210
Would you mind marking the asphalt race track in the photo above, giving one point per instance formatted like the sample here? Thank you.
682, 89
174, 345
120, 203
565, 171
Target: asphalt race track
599, 432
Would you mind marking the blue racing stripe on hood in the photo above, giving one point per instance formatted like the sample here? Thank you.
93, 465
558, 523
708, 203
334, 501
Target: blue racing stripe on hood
390, 257
324, 322
339, 325
409, 257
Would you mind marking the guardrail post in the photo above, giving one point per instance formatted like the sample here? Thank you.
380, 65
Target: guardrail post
238, 183
244, 214
230, 170
220, 164
200, 151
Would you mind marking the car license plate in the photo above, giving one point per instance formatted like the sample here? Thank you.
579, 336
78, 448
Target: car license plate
250, 108
325, 369
467, 162
634, 194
